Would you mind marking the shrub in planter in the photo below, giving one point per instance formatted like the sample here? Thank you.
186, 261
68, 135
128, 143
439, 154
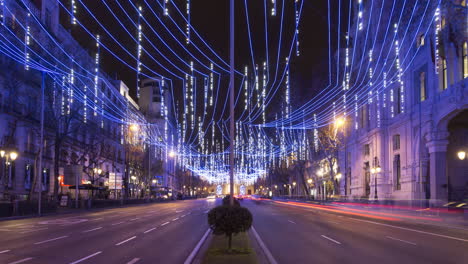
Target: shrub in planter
228, 220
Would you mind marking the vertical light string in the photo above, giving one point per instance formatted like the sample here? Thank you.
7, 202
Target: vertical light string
73, 12
165, 8
85, 104
264, 91
370, 99
296, 13
401, 87
71, 82
27, 42
211, 84
2, 12
356, 112
288, 95
187, 29
438, 26
63, 91
316, 146
360, 20
96, 76
246, 87
192, 105
273, 8
139, 51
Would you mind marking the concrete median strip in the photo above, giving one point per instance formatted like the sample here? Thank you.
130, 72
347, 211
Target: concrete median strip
267, 252
194, 252
85, 258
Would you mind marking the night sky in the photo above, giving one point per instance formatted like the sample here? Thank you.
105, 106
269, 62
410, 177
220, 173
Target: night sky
309, 71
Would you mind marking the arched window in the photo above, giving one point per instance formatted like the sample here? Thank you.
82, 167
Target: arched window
422, 86
421, 41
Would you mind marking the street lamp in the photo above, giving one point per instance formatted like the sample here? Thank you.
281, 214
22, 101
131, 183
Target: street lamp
461, 154
134, 128
9, 157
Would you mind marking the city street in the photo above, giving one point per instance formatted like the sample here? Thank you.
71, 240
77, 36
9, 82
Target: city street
154, 233
302, 235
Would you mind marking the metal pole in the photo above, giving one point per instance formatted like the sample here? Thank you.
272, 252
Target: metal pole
231, 104
41, 146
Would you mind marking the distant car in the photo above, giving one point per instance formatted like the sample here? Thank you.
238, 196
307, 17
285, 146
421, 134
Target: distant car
210, 197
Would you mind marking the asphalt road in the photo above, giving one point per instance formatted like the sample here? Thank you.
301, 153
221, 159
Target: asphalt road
152, 233
304, 235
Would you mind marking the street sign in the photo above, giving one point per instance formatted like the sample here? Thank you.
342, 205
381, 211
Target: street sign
64, 200
115, 181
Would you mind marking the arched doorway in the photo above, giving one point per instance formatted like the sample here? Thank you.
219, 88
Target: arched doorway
457, 169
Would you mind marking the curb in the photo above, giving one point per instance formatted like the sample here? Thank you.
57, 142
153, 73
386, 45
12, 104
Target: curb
195, 251
264, 248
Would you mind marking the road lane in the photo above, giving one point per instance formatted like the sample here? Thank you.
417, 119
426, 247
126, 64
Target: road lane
310, 238
66, 243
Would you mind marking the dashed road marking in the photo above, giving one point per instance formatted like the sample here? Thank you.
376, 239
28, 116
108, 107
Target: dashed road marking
133, 261
49, 240
175, 219
125, 241
4, 251
20, 261
404, 241
85, 258
118, 223
90, 230
291, 222
333, 240
134, 219
163, 224
149, 230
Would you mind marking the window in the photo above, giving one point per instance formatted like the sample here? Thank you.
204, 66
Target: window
421, 40
28, 176
422, 86
366, 150
465, 59
444, 74
364, 116
396, 142
397, 171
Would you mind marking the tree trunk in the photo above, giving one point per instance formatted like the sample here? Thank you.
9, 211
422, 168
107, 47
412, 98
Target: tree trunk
57, 149
229, 242
37, 171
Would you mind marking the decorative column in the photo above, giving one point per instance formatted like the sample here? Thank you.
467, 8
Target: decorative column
437, 145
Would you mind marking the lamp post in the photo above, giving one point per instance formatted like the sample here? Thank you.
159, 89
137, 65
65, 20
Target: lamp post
309, 181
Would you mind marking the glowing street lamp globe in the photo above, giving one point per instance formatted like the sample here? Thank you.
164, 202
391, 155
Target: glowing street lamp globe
461, 154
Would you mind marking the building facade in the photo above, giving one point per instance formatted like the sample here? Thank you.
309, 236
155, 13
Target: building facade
404, 141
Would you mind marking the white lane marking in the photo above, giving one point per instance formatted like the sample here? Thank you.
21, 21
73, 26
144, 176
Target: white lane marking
404, 241
414, 230
20, 261
4, 251
118, 223
100, 218
125, 241
194, 252
134, 219
175, 219
267, 252
179, 211
333, 240
133, 261
29, 231
85, 258
163, 224
49, 240
90, 230
182, 216
291, 222
149, 230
